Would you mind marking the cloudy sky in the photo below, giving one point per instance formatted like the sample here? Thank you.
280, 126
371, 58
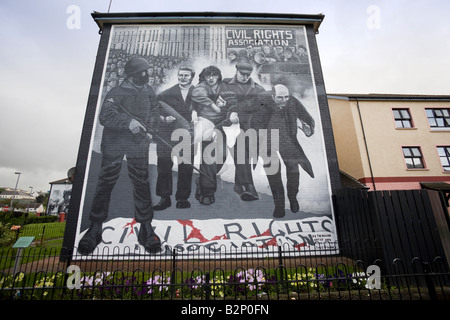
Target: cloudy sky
394, 46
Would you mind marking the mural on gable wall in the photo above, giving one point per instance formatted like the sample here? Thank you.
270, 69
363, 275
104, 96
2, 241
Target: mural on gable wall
59, 199
206, 136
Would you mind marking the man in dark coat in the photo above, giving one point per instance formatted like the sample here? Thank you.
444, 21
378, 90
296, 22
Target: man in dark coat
280, 111
247, 92
126, 112
179, 98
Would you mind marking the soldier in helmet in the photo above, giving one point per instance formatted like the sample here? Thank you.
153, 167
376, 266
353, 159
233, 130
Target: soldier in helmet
126, 111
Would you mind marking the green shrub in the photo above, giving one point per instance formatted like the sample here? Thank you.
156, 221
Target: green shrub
7, 236
23, 218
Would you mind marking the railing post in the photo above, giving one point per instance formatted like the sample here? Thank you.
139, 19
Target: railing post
280, 256
172, 276
173, 260
429, 281
68, 253
280, 265
207, 286
43, 233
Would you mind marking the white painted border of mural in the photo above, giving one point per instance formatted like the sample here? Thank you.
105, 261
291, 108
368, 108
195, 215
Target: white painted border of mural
311, 231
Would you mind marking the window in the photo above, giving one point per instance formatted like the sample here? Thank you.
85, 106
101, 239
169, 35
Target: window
413, 157
444, 155
402, 118
438, 118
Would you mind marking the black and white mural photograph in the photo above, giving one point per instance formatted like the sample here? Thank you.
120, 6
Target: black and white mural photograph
206, 136
59, 199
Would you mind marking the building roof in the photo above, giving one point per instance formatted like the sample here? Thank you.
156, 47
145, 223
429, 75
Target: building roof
438, 186
34, 205
348, 181
208, 17
15, 193
388, 96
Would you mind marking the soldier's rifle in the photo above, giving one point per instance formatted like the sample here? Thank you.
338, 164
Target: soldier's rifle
180, 120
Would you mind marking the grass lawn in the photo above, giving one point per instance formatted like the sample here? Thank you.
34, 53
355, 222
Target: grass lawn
44, 231
47, 236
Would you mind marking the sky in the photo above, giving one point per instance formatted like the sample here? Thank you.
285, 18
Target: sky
48, 50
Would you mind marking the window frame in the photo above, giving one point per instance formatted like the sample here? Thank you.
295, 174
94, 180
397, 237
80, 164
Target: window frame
402, 119
447, 155
405, 157
446, 119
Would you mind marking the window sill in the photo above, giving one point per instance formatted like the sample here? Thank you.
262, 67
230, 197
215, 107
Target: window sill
440, 129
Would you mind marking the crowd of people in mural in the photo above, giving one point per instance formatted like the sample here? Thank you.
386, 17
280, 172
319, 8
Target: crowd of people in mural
160, 66
136, 111
269, 54
158, 71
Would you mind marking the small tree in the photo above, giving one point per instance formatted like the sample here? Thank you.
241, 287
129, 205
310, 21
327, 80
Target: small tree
43, 198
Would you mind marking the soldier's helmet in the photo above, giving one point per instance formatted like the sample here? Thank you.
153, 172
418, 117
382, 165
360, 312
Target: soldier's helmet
135, 65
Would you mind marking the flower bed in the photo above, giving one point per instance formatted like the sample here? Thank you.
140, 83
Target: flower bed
241, 284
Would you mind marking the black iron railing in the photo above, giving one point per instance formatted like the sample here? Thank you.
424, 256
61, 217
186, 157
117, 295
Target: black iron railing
221, 274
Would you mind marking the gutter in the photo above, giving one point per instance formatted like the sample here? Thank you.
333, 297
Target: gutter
387, 97
355, 98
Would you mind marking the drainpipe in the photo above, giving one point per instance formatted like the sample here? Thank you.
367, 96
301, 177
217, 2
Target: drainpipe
365, 144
